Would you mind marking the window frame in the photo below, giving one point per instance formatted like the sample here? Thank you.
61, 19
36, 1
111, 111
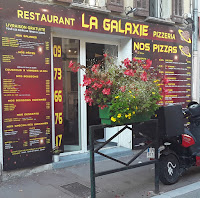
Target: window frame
115, 6
66, 1
141, 11
177, 18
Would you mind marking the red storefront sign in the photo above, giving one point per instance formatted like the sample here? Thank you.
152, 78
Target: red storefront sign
26, 80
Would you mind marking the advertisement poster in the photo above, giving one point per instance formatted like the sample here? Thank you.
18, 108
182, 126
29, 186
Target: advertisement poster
26, 94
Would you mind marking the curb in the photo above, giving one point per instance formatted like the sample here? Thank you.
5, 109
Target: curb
189, 191
77, 159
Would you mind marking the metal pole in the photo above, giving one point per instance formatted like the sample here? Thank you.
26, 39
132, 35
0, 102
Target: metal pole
195, 69
92, 165
156, 158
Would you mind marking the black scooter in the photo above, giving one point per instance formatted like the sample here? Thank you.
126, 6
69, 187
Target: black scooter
181, 144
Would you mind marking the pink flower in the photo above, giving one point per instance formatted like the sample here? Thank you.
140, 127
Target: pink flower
88, 99
127, 62
134, 59
75, 69
102, 106
165, 91
105, 55
144, 76
129, 72
165, 80
71, 64
87, 92
123, 88
95, 68
148, 64
96, 85
109, 83
106, 91
139, 61
86, 81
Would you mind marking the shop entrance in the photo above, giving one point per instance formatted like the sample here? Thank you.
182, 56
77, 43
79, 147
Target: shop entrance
94, 54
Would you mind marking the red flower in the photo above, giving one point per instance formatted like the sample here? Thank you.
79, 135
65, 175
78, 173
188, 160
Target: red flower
165, 80
89, 100
109, 83
165, 91
105, 55
127, 62
148, 64
75, 69
71, 64
96, 85
139, 61
86, 81
123, 88
106, 91
144, 76
87, 92
102, 106
134, 59
95, 68
129, 72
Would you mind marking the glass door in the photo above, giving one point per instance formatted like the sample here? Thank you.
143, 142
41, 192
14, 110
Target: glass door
66, 86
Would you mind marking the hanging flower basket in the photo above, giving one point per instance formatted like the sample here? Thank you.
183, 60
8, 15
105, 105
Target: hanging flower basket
133, 88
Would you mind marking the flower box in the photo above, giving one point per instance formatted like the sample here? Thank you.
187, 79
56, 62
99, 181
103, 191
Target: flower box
104, 115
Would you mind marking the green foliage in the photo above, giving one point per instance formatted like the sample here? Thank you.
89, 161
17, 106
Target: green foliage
132, 88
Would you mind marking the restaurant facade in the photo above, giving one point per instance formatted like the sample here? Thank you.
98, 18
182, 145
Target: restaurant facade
42, 103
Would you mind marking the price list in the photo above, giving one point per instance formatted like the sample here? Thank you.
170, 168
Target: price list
173, 61
26, 94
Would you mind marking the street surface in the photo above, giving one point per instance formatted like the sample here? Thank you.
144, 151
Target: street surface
74, 182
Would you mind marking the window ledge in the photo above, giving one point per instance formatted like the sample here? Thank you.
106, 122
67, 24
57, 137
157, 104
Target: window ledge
88, 7
159, 20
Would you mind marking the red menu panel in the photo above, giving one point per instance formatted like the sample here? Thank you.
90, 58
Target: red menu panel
58, 91
26, 94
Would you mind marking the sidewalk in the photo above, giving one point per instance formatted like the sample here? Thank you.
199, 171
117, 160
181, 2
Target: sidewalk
74, 182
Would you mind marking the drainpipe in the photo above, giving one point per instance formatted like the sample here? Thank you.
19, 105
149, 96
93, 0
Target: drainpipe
195, 66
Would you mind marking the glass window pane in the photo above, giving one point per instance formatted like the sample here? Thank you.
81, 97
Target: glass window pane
94, 55
176, 7
71, 137
144, 5
139, 5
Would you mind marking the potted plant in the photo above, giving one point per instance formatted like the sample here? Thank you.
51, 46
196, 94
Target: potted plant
56, 154
125, 92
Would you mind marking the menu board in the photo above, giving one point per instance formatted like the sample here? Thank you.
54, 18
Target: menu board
173, 60
26, 94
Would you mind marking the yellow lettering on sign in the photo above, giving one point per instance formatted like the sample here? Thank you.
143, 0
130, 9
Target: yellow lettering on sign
92, 22
106, 24
58, 118
141, 46
57, 52
58, 140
